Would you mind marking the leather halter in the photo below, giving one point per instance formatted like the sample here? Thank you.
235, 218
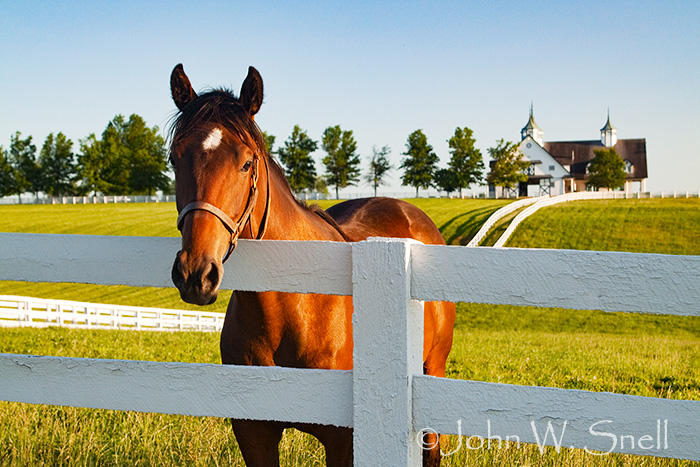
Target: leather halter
236, 228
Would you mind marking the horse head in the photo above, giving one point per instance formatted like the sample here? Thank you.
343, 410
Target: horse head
217, 152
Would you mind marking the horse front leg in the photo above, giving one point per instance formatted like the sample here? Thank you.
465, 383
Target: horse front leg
336, 440
431, 454
258, 441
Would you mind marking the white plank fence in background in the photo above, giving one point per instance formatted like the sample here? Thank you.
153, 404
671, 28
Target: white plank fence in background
18, 311
385, 398
500, 214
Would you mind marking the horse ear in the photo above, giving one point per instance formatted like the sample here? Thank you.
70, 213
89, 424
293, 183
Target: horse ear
181, 88
252, 92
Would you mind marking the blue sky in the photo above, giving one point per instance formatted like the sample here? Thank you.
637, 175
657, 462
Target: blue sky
381, 69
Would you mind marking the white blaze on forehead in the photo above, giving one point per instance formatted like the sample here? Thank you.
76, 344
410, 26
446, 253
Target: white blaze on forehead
212, 141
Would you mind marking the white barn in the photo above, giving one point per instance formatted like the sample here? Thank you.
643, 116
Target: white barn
562, 166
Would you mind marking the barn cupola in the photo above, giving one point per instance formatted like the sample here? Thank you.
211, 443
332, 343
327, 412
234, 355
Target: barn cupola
532, 130
608, 134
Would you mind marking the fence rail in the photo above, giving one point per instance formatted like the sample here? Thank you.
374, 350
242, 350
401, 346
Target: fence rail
39, 312
498, 215
102, 199
385, 398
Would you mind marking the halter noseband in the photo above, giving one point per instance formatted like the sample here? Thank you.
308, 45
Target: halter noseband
235, 228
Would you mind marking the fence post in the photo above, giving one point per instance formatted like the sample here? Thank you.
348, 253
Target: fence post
388, 343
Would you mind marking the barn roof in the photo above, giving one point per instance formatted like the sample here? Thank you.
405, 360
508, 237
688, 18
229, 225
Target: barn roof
577, 155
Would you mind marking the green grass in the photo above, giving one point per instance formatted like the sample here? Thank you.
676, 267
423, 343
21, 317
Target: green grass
457, 219
670, 226
138, 219
647, 355
113, 294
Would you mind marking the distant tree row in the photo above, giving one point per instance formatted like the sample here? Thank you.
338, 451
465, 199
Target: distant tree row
129, 158
342, 162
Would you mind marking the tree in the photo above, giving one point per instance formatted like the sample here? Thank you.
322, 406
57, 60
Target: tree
147, 157
606, 170
58, 168
25, 169
6, 177
447, 181
90, 168
420, 162
508, 167
269, 142
296, 157
378, 167
342, 163
129, 159
320, 186
466, 162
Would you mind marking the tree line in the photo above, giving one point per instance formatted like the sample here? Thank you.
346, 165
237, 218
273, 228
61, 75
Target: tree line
130, 158
342, 163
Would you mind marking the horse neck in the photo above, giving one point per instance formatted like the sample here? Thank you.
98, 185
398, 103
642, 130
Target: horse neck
287, 219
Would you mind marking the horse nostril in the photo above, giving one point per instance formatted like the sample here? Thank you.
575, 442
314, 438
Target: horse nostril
212, 275
177, 275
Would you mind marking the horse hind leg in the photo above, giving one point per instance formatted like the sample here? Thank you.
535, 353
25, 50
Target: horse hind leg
259, 442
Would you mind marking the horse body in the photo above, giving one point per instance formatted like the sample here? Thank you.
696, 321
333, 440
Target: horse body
216, 153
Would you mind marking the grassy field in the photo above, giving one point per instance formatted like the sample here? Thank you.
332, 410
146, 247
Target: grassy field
647, 355
138, 219
457, 219
670, 226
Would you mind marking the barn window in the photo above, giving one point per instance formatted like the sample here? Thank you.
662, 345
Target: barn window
629, 167
530, 170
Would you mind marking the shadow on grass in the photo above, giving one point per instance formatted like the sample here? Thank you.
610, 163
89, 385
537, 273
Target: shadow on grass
465, 225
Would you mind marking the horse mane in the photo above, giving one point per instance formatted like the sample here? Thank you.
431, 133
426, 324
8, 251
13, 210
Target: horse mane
222, 107
320, 212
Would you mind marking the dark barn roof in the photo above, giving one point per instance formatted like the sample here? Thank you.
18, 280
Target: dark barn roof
577, 155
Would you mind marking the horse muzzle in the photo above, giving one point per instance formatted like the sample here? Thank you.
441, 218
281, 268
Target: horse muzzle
197, 279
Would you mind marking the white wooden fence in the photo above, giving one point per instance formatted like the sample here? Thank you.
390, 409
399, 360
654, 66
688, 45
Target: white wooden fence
102, 199
18, 311
385, 398
500, 214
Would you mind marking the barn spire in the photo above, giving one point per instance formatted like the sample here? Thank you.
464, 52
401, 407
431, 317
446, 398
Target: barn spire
608, 134
532, 130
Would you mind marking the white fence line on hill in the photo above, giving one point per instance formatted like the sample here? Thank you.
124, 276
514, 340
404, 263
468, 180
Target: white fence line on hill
498, 215
18, 311
386, 399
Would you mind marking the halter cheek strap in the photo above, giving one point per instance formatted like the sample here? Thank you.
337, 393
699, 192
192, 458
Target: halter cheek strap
235, 228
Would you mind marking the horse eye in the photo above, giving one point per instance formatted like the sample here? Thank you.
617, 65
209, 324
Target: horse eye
171, 161
246, 166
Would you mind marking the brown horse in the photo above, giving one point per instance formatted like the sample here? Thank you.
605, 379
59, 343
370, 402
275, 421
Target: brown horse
223, 173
